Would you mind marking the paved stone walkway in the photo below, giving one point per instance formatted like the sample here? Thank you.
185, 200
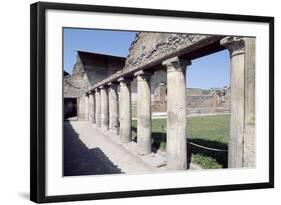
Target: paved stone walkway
88, 151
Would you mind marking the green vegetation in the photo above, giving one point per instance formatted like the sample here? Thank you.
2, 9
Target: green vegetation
209, 131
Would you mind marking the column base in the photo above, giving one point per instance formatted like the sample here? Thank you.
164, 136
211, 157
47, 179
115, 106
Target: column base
104, 128
175, 163
113, 131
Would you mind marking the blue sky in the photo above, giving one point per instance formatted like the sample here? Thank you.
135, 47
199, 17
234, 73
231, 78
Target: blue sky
206, 72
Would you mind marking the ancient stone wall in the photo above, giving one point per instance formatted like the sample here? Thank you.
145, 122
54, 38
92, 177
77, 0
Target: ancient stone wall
197, 100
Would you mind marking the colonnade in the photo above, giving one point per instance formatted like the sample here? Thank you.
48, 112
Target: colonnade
111, 110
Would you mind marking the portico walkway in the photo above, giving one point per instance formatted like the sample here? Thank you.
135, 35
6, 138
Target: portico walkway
88, 151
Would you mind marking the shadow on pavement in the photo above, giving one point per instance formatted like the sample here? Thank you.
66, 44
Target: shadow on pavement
80, 160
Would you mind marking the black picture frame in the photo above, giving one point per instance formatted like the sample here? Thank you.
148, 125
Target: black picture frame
38, 101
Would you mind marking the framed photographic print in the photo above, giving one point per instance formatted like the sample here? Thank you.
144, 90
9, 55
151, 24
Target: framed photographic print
129, 102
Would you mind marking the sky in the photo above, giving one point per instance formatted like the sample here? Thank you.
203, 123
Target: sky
212, 71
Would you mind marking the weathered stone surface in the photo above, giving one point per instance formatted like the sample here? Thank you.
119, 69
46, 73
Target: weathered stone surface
176, 108
144, 113
91, 108
113, 109
235, 45
125, 110
150, 46
236, 136
98, 107
250, 135
197, 100
104, 107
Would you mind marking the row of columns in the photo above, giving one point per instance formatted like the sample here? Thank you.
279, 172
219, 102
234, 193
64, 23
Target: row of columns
107, 112
112, 112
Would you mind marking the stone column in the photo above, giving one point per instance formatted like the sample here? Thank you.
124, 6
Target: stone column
143, 112
87, 107
249, 154
91, 108
113, 108
236, 48
176, 108
98, 107
125, 110
104, 107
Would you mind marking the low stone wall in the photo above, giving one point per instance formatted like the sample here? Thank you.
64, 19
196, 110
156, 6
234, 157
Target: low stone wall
200, 101
162, 107
207, 110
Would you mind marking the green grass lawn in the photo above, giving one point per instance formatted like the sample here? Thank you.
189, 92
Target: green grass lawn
209, 131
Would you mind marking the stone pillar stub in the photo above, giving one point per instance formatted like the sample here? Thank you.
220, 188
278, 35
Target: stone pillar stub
236, 47
176, 109
104, 107
113, 108
125, 110
98, 107
144, 140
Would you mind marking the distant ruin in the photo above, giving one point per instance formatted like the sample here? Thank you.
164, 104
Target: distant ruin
198, 101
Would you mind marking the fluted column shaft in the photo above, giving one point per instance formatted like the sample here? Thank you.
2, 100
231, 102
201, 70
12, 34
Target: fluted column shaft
176, 108
125, 110
98, 107
113, 108
91, 108
87, 107
235, 142
104, 107
249, 154
143, 112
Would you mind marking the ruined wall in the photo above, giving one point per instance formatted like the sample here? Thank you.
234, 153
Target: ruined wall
198, 101
76, 85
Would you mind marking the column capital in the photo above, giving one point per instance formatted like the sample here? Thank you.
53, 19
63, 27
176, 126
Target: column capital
102, 87
235, 45
124, 80
142, 73
112, 84
176, 64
